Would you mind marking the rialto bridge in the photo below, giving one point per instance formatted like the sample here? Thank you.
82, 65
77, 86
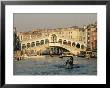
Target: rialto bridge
53, 42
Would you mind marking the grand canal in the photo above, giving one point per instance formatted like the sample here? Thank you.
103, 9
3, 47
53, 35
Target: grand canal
47, 65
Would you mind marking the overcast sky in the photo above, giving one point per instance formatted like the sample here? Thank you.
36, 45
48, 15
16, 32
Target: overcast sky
26, 22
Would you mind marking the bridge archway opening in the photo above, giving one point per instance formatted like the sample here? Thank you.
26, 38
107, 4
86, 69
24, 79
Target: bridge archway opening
28, 45
73, 44
60, 41
69, 43
65, 42
78, 45
53, 38
42, 42
32, 44
37, 43
56, 50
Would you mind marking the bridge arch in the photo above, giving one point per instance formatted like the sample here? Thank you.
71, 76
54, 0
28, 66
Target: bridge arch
53, 40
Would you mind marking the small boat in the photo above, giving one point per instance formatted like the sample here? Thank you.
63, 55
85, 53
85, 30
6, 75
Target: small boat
69, 63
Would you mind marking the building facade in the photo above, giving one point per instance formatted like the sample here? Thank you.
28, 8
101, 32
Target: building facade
92, 36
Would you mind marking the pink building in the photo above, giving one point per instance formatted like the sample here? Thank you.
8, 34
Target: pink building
94, 39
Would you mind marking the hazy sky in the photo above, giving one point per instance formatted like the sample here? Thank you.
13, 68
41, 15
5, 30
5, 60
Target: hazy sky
28, 21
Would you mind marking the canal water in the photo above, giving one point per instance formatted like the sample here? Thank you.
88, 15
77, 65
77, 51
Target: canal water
46, 65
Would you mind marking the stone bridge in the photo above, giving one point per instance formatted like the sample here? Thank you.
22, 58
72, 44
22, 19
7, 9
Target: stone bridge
40, 44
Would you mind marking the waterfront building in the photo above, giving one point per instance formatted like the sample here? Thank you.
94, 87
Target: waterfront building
92, 36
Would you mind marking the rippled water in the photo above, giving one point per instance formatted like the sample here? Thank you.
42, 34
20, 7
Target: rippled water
47, 65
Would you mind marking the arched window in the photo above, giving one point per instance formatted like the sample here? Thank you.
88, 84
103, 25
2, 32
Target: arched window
69, 43
28, 45
42, 42
60, 41
46, 41
78, 45
73, 44
32, 44
53, 38
65, 42
37, 43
